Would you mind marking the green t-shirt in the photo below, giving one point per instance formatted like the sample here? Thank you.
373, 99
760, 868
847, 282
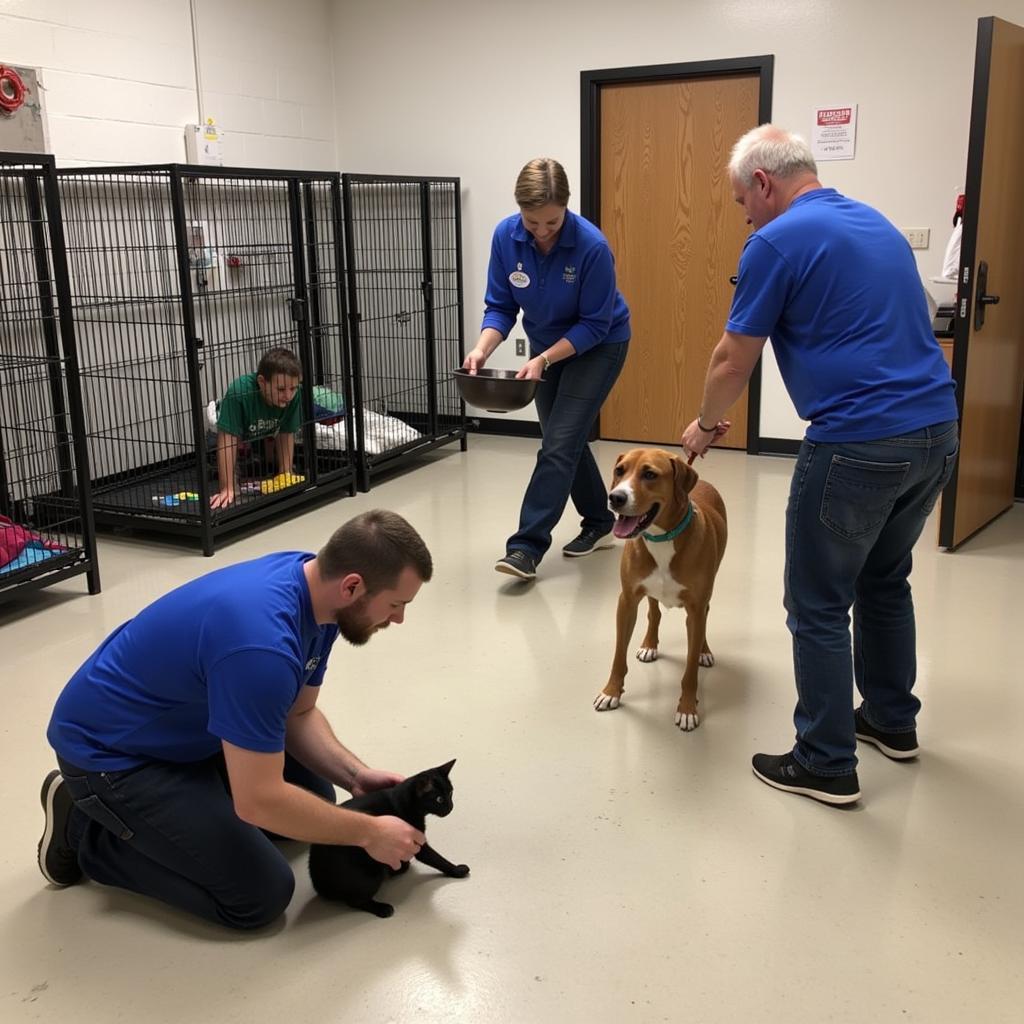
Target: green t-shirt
243, 412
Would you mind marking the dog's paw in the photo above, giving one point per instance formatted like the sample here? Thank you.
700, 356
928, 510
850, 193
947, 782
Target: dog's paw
602, 702
707, 659
647, 654
687, 722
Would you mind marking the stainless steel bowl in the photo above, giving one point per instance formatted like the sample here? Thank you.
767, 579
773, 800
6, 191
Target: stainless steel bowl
495, 390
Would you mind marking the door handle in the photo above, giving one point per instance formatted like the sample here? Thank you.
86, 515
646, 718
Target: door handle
981, 297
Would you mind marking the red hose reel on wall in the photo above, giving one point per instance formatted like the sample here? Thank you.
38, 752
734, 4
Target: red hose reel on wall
12, 89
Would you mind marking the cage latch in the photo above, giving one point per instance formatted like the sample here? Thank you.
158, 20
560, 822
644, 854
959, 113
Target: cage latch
298, 309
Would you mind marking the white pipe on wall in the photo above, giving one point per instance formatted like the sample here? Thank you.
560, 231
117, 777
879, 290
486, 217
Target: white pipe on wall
194, 12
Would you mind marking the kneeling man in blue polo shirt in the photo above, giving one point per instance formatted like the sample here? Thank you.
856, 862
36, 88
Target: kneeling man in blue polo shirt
193, 731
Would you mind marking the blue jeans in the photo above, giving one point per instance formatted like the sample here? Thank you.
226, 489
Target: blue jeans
568, 401
170, 831
855, 512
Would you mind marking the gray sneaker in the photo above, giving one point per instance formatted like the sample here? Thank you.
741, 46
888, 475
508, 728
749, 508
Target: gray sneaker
586, 542
518, 563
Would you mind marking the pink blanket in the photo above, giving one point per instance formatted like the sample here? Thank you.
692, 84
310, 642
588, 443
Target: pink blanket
13, 539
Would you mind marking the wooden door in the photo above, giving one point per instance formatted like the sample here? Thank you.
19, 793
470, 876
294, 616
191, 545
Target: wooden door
667, 209
988, 351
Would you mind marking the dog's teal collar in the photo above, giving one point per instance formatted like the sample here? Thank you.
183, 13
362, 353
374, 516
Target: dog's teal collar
672, 534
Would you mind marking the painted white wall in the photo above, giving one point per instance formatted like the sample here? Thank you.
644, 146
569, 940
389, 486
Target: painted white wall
779, 418
120, 82
476, 88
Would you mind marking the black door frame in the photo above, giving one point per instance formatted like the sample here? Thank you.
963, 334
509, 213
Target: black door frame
591, 83
968, 263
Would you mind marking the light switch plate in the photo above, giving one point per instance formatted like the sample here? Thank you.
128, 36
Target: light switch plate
919, 238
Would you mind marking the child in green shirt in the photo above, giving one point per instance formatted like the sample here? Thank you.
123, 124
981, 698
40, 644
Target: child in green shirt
264, 404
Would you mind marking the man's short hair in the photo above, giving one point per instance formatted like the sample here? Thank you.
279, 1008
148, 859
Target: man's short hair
377, 545
772, 150
279, 361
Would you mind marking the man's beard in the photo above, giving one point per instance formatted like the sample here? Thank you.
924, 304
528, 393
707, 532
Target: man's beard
353, 623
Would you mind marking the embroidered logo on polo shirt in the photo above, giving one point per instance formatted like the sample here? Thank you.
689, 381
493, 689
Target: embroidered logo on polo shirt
312, 664
569, 274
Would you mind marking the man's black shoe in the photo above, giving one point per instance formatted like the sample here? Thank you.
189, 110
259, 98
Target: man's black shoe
783, 771
900, 746
586, 542
518, 563
57, 861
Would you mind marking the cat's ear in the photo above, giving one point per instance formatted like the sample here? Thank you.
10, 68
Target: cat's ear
446, 768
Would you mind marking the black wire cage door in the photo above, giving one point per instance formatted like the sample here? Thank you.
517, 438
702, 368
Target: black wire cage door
42, 435
404, 264
182, 279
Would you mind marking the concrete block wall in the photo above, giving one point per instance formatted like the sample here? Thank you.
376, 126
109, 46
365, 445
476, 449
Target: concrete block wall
120, 81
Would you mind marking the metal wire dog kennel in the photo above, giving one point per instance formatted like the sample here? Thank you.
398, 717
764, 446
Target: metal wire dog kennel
42, 435
403, 240
182, 278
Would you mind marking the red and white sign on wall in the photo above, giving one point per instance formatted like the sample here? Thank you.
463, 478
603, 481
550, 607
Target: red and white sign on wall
834, 132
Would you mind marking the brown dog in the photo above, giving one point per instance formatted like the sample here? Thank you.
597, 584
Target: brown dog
654, 493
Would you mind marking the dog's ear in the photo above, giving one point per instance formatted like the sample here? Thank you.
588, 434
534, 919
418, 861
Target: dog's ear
685, 478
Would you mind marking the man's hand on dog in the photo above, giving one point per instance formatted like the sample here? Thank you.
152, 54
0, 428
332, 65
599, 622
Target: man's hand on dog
696, 441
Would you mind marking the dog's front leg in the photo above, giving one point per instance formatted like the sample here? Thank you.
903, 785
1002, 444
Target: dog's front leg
625, 619
687, 717
648, 650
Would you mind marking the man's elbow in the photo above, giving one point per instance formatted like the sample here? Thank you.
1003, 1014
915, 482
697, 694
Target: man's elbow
253, 808
247, 810
736, 371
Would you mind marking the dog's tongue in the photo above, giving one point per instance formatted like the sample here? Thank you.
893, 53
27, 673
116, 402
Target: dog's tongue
625, 525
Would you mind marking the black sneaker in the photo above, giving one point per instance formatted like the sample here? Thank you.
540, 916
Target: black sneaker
518, 563
57, 861
783, 771
587, 541
900, 746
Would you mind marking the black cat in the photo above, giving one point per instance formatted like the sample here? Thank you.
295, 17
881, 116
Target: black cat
350, 875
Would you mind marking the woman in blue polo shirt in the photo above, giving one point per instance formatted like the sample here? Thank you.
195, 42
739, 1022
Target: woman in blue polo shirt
558, 269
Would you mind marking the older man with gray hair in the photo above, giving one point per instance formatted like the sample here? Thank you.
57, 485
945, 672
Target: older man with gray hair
835, 287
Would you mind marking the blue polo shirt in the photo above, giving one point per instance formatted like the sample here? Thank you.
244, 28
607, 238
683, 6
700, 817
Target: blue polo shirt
569, 293
221, 658
835, 287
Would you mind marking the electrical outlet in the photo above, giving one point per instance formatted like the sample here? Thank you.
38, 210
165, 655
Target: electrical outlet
520, 346
917, 237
